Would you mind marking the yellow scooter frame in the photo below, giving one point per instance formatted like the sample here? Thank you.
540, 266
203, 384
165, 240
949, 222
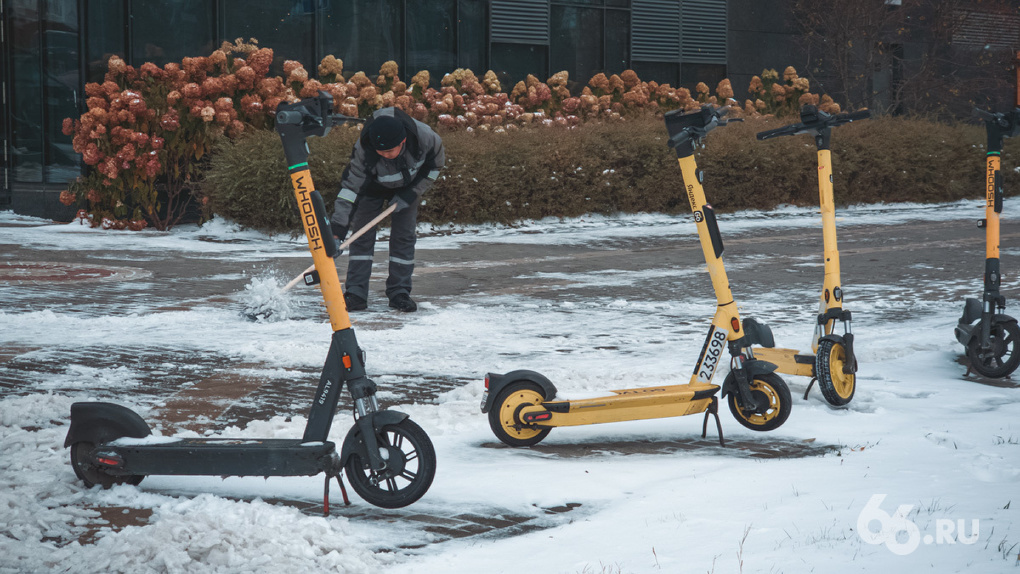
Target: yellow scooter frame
522, 405
832, 361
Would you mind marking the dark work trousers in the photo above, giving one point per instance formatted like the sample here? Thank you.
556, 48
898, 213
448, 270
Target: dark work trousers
403, 224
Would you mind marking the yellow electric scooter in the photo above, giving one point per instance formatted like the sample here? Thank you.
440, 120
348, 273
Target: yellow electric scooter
522, 405
832, 361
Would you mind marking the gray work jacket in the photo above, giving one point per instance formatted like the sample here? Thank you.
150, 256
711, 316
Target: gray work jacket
417, 167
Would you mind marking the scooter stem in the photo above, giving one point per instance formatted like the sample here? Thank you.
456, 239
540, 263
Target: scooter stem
708, 230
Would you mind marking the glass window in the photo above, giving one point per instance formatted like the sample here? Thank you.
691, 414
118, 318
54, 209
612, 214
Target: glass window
286, 27
661, 72
431, 38
104, 26
472, 35
576, 41
45, 81
620, 3
61, 81
711, 74
364, 34
617, 41
165, 31
26, 90
513, 62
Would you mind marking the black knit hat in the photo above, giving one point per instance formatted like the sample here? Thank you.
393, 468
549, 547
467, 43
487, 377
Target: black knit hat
386, 132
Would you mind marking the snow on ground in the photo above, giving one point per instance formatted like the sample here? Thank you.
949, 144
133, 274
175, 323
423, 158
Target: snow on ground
920, 449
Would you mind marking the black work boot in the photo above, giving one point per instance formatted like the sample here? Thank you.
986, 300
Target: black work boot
354, 303
403, 302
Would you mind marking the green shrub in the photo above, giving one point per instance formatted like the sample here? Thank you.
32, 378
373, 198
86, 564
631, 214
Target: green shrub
625, 167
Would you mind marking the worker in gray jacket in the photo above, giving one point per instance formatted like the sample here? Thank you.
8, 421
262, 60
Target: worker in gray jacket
396, 159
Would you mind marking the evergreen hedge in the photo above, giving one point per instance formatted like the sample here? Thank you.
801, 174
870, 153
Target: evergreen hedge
624, 166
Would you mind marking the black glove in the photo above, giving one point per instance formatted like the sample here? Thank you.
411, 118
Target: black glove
405, 198
339, 232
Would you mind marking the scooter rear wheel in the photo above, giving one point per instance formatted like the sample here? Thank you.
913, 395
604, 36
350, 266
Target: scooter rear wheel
412, 466
92, 475
837, 387
772, 398
1004, 356
503, 416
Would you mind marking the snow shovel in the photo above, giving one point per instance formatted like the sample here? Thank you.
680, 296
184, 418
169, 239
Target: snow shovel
264, 305
344, 245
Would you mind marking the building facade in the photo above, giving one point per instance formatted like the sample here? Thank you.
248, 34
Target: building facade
49, 50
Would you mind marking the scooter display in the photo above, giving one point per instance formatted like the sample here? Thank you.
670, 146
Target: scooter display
522, 406
389, 460
989, 335
832, 361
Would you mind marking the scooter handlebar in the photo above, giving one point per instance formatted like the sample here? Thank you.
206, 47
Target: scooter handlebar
854, 116
783, 131
826, 121
338, 119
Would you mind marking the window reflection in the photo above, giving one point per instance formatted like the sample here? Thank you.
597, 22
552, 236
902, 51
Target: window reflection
513, 62
283, 26
104, 30
576, 42
473, 34
169, 30
364, 34
45, 77
431, 37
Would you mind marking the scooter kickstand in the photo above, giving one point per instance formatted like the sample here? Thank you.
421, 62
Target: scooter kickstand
343, 490
325, 494
809, 385
713, 409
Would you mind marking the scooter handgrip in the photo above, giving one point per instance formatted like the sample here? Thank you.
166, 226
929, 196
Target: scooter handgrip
288, 118
679, 139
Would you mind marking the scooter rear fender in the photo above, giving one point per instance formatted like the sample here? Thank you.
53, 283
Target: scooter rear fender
99, 423
966, 335
971, 311
498, 382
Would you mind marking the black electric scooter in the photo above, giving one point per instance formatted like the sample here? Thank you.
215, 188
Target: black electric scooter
389, 459
992, 342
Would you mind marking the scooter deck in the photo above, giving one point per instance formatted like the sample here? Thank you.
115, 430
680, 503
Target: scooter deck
217, 457
788, 361
624, 405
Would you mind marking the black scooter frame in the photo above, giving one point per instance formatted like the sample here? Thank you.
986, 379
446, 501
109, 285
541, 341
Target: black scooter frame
107, 440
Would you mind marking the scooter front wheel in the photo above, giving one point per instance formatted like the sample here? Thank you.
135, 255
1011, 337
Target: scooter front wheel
503, 416
772, 402
837, 386
411, 466
1003, 356
86, 470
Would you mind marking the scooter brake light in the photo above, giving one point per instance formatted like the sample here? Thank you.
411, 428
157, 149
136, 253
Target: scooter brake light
486, 382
